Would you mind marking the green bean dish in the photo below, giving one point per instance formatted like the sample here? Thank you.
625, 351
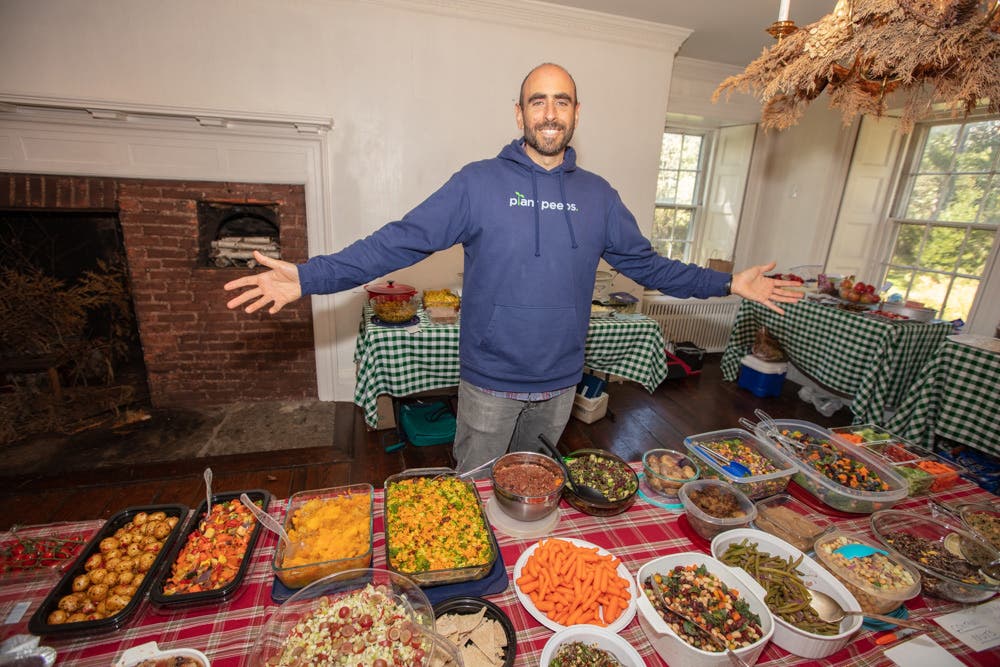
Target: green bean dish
787, 597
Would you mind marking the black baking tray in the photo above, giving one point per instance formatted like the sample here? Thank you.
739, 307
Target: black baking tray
39, 625
162, 601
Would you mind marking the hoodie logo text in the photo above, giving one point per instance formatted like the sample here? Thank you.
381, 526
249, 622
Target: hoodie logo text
520, 200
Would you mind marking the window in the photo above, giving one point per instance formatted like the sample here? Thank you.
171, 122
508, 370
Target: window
679, 190
946, 219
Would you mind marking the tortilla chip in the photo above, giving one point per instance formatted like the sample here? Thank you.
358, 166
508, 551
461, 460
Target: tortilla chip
469, 622
473, 656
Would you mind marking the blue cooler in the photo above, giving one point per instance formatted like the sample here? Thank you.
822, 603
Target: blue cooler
762, 378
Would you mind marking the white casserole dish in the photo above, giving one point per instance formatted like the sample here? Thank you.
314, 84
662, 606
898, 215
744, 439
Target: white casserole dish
815, 577
151, 651
673, 649
591, 635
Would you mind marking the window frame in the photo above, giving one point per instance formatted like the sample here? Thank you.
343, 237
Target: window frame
696, 231
896, 218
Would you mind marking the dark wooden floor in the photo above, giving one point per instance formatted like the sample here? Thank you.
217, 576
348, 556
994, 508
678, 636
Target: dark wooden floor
641, 421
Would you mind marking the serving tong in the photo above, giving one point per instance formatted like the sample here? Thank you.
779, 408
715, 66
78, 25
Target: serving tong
770, 428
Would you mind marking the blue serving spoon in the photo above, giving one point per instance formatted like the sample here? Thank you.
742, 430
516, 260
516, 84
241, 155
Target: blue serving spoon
855, 550
734, 468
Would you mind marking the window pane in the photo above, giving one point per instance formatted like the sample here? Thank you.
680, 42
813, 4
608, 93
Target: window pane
691, 152
991, 207
900, 280
686, 183
963, 291
908, 245
682, 226
678, 250
977, 249
666, 187
940, 148
925, 197
978, 147
670, 153
942, 248
961, 202
929, 289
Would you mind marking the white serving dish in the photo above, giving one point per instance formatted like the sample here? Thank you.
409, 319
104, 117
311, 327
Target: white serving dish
673, 649
619, 624
591, 635
151, 651
815, 577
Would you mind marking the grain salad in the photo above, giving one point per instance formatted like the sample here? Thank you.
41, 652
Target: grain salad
435, 525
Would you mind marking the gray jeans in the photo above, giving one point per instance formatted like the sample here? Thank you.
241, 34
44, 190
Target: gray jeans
489, 426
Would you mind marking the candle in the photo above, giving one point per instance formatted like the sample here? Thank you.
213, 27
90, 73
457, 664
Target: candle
783, 10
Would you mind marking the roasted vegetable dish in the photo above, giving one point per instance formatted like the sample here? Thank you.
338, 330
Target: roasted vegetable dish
212, 555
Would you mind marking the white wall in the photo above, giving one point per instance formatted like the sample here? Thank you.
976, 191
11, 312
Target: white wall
416, 88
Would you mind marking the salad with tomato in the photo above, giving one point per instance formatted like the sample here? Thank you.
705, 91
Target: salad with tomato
214, 551
28, 553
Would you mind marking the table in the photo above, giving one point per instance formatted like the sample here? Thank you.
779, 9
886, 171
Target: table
226, 632
392, 361
955, 397
871, 360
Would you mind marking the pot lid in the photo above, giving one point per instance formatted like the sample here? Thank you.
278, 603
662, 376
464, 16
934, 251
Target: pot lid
390, 288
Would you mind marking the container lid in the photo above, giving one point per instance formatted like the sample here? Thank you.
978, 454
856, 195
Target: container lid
761, 366
881, 576
390, 288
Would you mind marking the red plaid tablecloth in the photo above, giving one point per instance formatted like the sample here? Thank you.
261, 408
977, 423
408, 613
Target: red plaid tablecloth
226, 632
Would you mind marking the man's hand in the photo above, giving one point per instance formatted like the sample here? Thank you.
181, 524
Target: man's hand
279, 286
751, 284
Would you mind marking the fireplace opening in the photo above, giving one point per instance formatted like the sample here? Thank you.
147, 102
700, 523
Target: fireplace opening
229, 233
69, 343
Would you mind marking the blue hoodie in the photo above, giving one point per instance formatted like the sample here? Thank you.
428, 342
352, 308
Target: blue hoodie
532, 240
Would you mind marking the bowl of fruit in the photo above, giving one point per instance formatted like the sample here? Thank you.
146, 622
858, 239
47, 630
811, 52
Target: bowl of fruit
862, 294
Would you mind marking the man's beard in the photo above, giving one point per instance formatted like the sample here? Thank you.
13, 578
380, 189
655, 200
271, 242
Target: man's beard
534, 138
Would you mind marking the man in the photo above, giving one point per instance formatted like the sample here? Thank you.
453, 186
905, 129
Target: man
533, 226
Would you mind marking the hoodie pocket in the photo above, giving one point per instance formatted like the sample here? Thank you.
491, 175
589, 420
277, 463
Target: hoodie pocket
532, 342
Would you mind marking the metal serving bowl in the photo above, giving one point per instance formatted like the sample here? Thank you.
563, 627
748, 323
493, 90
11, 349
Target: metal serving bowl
521, 507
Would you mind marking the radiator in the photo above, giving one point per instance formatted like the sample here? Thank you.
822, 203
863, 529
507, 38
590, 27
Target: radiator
705, 322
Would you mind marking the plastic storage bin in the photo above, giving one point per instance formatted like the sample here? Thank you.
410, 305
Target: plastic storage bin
589, 410
771, 467
762, 378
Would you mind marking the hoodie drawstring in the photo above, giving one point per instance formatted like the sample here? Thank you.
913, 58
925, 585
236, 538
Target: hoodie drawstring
538, 224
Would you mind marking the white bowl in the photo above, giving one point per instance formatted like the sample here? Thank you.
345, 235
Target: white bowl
673, 649
590, 635
151, 651
815, 577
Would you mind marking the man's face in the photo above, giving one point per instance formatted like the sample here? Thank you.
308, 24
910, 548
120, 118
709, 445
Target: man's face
547, 113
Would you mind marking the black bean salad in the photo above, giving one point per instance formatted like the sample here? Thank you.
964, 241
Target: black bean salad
612, 478
579, 654
366, 626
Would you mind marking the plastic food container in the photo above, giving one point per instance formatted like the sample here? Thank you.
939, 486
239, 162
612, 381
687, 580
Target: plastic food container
127, 519
879, 583
834, 494
667, 470
601, 508
705, 524
433, 577
790, 520
864, 434
983, 520
350, 587
673, 649
592, 635
139, 655
948, 557
228, 590
297, 576
771, 467
787, 636
527, 507
897, 450
65, 538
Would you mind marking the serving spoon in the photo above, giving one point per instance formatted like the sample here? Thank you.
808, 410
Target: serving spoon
733, 656
270, 523
208, 491
734, 468
829, 610
588, 493
465, 474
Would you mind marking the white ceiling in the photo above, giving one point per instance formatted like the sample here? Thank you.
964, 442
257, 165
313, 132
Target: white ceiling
727, 31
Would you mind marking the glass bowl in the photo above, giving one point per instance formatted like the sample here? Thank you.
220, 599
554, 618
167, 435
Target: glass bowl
982, 519
948, 557
629, 483
665, 471
525, 503
386, 612
393, 309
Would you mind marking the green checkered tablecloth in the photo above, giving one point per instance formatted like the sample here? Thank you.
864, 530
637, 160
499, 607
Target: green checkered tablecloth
392, 361
956, 396
871, 360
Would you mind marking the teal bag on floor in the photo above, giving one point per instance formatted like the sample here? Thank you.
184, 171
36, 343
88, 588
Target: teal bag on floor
427, 423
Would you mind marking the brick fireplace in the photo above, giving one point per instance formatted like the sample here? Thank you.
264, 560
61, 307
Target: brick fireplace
195, 350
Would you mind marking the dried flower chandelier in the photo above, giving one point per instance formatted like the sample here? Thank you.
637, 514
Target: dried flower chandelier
924, 52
